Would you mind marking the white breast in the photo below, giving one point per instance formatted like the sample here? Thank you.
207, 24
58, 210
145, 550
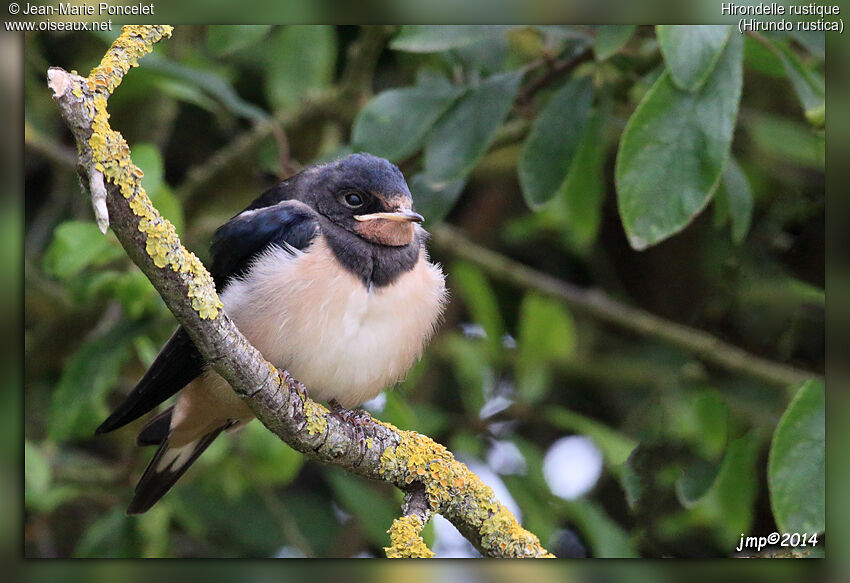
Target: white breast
310, 316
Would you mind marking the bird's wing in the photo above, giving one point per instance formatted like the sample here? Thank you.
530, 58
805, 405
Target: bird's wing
177, 364
289, 224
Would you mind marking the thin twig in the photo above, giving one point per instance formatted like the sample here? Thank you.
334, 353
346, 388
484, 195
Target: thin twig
326, 104
554, 70
56, 153
597, 304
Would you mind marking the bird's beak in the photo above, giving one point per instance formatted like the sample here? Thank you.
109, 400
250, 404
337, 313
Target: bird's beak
399, 216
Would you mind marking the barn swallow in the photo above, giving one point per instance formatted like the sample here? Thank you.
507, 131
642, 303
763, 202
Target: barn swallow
327, 275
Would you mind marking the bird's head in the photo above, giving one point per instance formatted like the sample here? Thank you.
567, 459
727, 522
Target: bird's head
365, 195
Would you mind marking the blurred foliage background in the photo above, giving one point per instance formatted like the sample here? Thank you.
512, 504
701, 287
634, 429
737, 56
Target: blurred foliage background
678, 169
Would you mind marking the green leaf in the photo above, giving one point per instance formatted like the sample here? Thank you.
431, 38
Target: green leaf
302, 58
610, 38
78, 403
729, 503
649, 475
483, 58
548, 152
135, 292
705, 423
696, 480
546, 336
633, 479
227, 39
154, 530
268, 460
546, 330
795, 470
787, 141
434, 200
201, 505
363, 500
477, 294
110, 536
398, 412
466, 442
148, 159
207, 81
721, 208
760, 58
739, 198
808, 85
469, 360
393, 125
187, 93
607, 538
673, 150
131, 288
424, 38
77, 245
168, 206
691, 52
581, 194
464, 134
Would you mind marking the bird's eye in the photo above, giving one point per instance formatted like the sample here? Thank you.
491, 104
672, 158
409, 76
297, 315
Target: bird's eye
353, 200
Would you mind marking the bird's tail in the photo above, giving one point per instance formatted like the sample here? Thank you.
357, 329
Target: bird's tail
166, 467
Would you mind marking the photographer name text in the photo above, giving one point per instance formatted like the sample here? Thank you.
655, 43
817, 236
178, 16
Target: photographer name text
102, 9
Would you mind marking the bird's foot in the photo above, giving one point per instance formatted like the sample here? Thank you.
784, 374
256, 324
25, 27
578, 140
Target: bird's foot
297, 386
357, 418
301, 390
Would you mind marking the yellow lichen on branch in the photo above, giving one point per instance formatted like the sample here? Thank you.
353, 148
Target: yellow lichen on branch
405, 541
315, 415
451, 487
111, 156
134, 43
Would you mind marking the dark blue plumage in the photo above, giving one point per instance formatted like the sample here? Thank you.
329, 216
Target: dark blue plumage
288, 224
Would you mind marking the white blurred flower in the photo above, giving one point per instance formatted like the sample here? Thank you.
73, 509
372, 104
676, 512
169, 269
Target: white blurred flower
341, 515
449, 543
506, 458
472, 330
509, 342
572, 466
493, 406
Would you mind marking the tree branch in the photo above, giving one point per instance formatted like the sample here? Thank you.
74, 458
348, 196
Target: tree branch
434, 479
554, 69
597, 304
405, 539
